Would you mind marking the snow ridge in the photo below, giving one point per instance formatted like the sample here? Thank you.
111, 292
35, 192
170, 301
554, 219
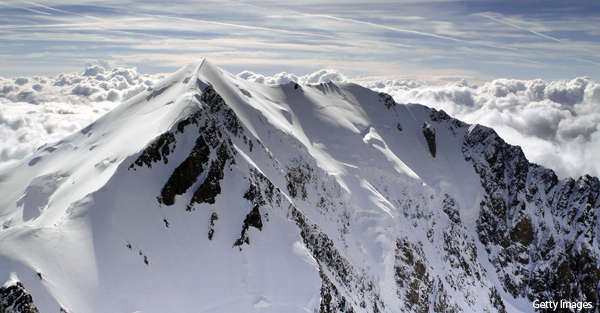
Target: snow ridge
212, 193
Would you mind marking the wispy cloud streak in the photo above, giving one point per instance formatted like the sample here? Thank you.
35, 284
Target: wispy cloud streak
415, 38
406, 31
25, 8
249, 27
65, 12
523, 28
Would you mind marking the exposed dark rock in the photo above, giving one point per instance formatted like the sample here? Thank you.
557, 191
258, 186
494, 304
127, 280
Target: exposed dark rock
192, 119
497, 301
186, 174
298, 177
157, 151
216, 104
535, 259
15, 299
417, 285
213, 218
387, 100
429, 133
450, 209
331, 300
443, 118
253, 219
211, 186
522, 232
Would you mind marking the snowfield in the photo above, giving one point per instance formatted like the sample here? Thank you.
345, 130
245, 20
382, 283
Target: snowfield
208, 192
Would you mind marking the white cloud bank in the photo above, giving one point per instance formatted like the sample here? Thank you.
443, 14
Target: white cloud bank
557, 123
39, 110
318, 77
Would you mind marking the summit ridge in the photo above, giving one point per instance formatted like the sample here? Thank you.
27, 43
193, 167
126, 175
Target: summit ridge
210, 193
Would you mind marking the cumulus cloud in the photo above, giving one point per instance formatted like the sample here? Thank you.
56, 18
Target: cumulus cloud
556, 123
94, 84
396, 84
318, 77
38, 110
24, 126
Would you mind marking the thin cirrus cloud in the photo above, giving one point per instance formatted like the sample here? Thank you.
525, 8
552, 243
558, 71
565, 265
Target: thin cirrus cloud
520, 27
535, 47
411, 38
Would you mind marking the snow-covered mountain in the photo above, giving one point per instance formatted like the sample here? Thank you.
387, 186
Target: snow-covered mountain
210, 193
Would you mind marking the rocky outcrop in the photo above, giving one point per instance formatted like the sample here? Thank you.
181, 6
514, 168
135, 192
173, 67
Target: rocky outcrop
540, 232
15, 299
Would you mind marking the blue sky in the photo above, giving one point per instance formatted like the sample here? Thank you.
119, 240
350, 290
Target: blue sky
436, 41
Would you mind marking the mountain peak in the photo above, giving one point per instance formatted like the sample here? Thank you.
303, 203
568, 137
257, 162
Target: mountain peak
212, 193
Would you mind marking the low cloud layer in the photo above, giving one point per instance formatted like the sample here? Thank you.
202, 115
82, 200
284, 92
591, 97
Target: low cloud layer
94, 84
557, 123
318, 77
38, 110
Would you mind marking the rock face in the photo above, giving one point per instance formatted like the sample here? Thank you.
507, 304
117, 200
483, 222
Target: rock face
226, 195
14, 299
429, 134
541, 233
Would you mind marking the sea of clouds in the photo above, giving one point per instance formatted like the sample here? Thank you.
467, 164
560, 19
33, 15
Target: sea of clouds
556, 123
38, 110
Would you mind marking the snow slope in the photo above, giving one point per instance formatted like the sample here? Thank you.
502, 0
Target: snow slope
210, 193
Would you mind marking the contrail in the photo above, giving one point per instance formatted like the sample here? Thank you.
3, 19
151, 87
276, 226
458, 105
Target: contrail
28, 9
179, 18
584, 60
523, 28
49, 25
408, 31
66, 12
194, 20
236, 25
129, 32
98, 19
401, 30
545, 36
